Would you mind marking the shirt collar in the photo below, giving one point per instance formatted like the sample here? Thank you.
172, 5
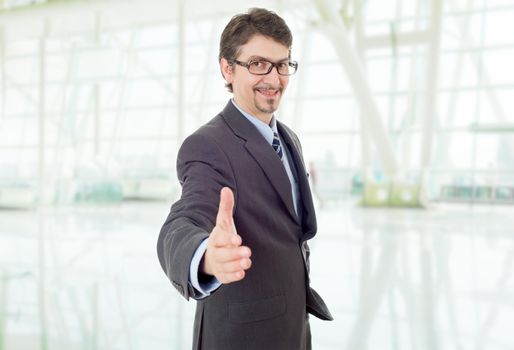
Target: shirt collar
264, 129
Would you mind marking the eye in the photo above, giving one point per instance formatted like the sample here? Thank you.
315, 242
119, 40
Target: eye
283, 65
258, 64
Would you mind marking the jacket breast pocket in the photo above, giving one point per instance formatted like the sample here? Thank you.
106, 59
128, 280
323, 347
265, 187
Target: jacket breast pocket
259, 310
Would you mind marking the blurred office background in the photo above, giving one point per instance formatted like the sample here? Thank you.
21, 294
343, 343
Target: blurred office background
406, 113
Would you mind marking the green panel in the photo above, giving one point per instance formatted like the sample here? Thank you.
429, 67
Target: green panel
389, 194
376, 194
405, 195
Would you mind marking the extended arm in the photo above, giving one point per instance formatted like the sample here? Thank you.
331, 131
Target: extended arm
203, 170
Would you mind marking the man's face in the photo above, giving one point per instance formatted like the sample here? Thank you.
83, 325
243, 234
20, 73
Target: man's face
258, 95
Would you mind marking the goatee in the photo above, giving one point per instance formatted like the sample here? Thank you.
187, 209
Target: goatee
270, 108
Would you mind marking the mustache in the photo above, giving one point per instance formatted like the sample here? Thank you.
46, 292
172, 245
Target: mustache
269, 87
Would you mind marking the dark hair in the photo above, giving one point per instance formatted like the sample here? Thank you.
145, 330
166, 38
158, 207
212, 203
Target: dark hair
243, 26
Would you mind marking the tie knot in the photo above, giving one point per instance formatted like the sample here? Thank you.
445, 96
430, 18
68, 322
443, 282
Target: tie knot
277, 145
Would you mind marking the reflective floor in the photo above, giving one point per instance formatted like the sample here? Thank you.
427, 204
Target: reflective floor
88, 278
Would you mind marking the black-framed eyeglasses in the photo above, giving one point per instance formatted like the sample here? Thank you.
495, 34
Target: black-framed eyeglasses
263, 67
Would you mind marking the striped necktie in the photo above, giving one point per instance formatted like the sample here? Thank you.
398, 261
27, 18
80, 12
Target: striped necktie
277, 145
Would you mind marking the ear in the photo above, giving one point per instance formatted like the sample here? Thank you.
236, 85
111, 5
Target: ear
227, 71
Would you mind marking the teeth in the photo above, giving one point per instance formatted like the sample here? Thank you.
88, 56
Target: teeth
267, 91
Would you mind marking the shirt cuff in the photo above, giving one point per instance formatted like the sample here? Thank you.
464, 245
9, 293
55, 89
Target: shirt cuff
204, 287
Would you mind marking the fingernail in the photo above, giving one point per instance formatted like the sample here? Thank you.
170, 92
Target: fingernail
244, 263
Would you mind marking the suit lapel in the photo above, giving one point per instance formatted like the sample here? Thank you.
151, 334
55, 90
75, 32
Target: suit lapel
309, 216
263, 154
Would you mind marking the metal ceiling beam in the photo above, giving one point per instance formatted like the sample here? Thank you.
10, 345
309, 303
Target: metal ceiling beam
432, 81
399, 39
335, 30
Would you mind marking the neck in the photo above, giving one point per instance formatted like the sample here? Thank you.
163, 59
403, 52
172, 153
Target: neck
263, 117
266, 118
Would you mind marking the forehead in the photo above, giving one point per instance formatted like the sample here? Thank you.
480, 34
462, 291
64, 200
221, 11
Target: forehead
265, 47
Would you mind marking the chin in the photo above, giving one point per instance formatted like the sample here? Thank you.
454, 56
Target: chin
267, 107
267, 110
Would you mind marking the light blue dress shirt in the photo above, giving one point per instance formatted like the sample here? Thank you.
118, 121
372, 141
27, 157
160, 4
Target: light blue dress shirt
267, 132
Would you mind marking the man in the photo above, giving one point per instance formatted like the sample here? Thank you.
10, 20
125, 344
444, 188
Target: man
236, 239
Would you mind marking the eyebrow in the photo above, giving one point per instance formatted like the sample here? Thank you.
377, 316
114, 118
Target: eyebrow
260, 58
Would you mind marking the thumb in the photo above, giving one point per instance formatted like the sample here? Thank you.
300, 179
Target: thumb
225, 211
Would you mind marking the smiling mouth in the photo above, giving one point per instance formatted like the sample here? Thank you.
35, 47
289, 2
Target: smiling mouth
268, 92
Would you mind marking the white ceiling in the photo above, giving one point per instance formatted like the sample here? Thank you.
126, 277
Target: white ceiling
63, 17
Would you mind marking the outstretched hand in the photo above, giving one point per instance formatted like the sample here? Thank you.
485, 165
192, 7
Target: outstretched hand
226, 258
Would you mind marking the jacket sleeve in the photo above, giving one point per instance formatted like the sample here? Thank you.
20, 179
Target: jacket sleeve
203, 170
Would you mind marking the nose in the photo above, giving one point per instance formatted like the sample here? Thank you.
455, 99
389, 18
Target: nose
272, 77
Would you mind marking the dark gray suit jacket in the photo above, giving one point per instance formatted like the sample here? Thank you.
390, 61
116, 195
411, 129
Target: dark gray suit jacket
268, 308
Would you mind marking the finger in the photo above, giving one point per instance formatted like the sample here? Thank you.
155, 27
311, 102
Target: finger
221, 237
225, 210
224, 255
231, 277
236, 265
